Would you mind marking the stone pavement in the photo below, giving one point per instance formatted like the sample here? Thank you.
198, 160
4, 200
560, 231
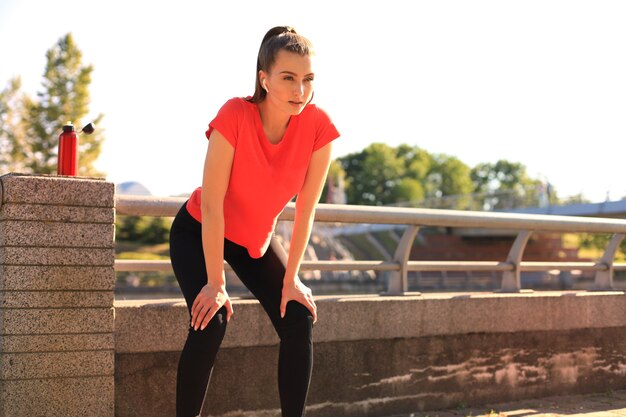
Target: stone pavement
608, 404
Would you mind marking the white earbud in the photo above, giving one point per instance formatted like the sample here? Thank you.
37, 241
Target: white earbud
267, 90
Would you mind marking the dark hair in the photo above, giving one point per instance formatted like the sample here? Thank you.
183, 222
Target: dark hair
276, 39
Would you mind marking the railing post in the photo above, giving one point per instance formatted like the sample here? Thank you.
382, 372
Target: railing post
511, 281
398, 283
604, 279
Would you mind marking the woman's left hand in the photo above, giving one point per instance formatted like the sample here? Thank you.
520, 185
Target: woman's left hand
299, 292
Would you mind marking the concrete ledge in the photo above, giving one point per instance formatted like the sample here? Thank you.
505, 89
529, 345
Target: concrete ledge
56, 320
136, 320
54, 234
380, 356
374, 317
55, 190
78, 277
64, 397
57, 256
56, 342
67, 214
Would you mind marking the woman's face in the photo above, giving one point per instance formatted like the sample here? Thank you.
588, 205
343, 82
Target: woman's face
289, 82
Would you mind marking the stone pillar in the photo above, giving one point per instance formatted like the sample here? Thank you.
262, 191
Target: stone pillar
57, 284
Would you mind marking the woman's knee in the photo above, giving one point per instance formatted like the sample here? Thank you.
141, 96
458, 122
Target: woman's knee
213, 332
297, 323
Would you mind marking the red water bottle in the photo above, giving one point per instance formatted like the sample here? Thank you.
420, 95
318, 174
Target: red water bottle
68, 151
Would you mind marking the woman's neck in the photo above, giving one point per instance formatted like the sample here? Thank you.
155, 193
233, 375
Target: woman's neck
274, 122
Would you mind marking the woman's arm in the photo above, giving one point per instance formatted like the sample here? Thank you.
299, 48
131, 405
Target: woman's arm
307, 199
217, 167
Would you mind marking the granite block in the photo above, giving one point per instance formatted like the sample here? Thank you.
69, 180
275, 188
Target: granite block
33, 278
57, 256
56, 364
56, 342
65, 214
54, 190
58, 397
23, 321
45, 299
55, 234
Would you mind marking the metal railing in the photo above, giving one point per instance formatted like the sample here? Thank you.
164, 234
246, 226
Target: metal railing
524, 224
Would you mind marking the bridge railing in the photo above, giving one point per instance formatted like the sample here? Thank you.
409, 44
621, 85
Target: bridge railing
524, 224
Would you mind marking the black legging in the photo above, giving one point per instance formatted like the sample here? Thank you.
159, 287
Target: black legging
264, 278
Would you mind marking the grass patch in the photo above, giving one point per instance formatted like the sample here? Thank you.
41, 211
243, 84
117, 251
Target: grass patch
386, 240
364, 246
141, 256
145, 279
142, 252
121, 247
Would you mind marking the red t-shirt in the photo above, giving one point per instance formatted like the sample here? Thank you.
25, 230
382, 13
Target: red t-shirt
264, 177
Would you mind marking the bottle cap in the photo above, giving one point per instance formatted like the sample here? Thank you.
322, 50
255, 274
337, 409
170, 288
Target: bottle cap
89, 128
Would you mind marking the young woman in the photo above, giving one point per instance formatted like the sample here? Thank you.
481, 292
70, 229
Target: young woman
263, 150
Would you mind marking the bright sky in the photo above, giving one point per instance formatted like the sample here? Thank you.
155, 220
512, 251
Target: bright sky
541, 82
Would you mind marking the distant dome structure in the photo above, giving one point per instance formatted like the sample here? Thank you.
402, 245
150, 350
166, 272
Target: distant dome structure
132, 188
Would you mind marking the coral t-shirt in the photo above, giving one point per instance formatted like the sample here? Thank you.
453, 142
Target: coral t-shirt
264, 177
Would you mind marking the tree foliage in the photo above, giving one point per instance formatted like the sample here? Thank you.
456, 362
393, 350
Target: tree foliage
503, 175
374, 174
30, 128
600, 241
12, 127
449, 176
381, 175
144, 229
509, 185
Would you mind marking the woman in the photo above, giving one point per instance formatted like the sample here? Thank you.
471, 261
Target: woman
262, 151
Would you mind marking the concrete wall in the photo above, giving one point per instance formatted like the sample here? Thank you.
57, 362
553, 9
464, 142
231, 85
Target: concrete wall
67, 349
378, 356
56, 297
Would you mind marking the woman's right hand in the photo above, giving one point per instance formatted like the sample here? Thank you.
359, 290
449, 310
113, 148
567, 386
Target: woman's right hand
207, 303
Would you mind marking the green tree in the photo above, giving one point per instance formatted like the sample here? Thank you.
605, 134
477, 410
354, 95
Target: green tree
508, 184
453, 176
373, 175
32, 143
503, 175
381, 175
157, 230
12, 127
600, 241
142, 229
407, 190
417, 161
